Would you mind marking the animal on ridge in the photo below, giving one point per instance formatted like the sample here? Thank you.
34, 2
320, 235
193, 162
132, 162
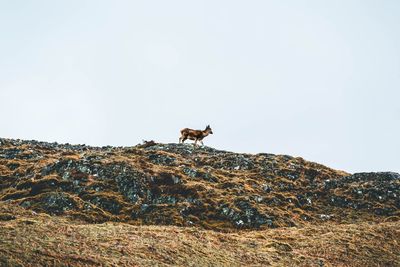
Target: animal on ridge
196, 135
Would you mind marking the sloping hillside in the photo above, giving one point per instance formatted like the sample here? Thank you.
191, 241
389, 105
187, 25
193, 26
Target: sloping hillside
35, 239
167, 185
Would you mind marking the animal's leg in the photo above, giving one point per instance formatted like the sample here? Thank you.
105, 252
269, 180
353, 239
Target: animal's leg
183, 139
180, 139
195, 142
201, 141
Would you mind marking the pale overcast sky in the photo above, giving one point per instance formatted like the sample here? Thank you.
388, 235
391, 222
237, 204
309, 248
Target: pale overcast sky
316, 79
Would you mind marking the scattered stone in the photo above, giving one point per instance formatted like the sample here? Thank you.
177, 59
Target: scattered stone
57, 203
146, 144
185, 185
266, 188
325, 217
162, 159
6, 217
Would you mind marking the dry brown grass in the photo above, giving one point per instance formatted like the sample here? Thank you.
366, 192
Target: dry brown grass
41, 240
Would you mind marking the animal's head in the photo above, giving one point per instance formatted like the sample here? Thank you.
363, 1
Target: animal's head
209, 130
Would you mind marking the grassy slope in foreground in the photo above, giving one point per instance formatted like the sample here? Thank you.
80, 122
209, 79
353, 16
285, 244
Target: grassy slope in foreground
42, 240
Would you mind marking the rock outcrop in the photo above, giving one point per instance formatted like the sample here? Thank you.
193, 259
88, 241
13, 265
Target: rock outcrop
178, 184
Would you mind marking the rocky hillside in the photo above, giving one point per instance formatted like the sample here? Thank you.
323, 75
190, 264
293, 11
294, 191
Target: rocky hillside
178, 184
201, 189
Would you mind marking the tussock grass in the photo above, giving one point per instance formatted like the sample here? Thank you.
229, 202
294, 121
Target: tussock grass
42, 240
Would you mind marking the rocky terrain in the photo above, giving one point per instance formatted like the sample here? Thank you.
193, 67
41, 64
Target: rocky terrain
286, 206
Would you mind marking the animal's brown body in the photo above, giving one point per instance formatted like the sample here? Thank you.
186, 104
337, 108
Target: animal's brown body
196, 135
